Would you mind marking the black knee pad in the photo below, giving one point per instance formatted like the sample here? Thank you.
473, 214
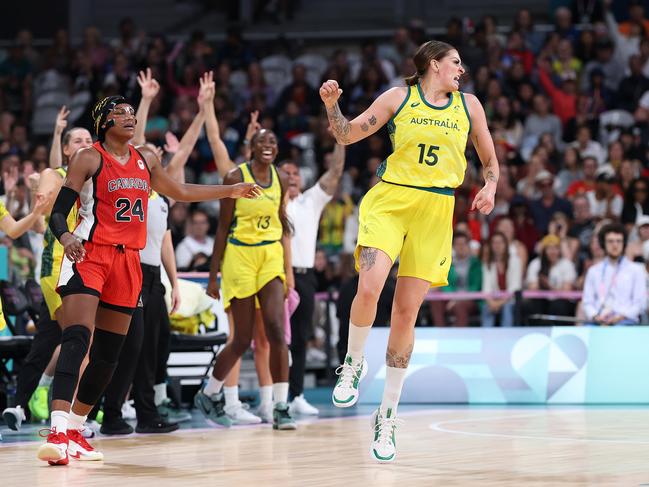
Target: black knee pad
75, 340
106, 347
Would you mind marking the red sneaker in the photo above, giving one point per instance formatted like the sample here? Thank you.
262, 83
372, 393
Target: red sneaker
55, 450
80, 449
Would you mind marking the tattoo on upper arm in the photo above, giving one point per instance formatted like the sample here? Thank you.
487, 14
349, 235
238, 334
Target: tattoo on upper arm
397, 360
367, 258
372, 120
364, 127
339, 124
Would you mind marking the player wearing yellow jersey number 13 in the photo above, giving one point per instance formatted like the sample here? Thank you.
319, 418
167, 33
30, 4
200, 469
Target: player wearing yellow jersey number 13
408, 214
249, 252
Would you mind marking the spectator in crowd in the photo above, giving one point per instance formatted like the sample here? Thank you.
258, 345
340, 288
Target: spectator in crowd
541, 121
587, 181
582, 228
604, 201
637, 248
615, 291
588, 147
636, 202
548, 203
194, 251
570, 171
465, 275
550, 272
501, 272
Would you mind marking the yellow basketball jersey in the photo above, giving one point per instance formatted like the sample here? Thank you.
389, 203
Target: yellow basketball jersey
256, 221
428, 142
52, 248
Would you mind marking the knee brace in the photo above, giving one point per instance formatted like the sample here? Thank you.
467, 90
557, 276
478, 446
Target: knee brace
104, 353
75, 340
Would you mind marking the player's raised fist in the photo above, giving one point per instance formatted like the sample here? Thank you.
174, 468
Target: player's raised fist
330, 92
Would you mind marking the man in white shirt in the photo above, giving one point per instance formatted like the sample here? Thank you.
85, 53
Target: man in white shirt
196, 242
304, 210
615, 291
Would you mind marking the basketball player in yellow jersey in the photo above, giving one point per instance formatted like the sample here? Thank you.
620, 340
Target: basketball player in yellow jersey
249, 251
409, 213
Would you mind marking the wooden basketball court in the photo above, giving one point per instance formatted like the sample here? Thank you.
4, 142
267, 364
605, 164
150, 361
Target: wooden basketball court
484, 446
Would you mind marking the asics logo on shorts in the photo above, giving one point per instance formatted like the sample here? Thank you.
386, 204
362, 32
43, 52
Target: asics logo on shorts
443, 260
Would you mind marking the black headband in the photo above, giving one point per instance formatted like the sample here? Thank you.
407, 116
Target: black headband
100, 114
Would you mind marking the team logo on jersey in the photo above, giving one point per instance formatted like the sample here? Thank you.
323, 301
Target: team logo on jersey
140, 164
415, 104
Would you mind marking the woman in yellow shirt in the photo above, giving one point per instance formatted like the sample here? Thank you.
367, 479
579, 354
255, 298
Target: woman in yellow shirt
409, 213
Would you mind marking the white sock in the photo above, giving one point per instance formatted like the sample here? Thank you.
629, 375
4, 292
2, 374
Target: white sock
46, 381
394, 378
160, 391
265, 395
231, 395
59, 421
76, 422
280, 392
21, 411
356, 341
213, 386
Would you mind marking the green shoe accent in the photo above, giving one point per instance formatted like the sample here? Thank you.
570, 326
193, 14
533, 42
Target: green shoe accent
212, 407
38, 404
379, 457
171, 414
282, 419
100, 416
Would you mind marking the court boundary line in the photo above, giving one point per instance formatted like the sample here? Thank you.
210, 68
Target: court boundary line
438, 426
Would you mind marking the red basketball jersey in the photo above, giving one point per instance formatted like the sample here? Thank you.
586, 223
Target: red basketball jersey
114, 202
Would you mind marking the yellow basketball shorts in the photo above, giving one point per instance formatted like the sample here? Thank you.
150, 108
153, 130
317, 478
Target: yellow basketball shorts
52, 298
413, 224
247, 269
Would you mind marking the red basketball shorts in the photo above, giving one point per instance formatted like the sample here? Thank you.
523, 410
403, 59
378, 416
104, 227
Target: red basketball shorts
110, 272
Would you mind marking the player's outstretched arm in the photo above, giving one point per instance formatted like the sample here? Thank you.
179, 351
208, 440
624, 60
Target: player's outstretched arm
56, 156
15, 229
484, 145
368, 122
163, 184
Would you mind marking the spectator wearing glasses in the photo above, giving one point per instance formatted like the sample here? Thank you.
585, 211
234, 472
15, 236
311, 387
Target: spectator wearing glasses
615, 291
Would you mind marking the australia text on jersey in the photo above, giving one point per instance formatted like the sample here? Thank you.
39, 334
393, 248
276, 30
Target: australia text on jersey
128, 183
448, 123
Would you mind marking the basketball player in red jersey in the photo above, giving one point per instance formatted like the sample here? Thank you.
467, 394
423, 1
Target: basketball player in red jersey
101, 277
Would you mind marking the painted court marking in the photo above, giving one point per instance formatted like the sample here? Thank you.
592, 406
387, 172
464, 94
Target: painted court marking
439, 426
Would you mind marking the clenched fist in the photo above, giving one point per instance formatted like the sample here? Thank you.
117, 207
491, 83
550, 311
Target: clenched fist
330, 92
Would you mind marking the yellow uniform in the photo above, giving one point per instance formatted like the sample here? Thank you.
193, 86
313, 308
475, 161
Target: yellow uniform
52, 258
410, 212
253, 255
3, 213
